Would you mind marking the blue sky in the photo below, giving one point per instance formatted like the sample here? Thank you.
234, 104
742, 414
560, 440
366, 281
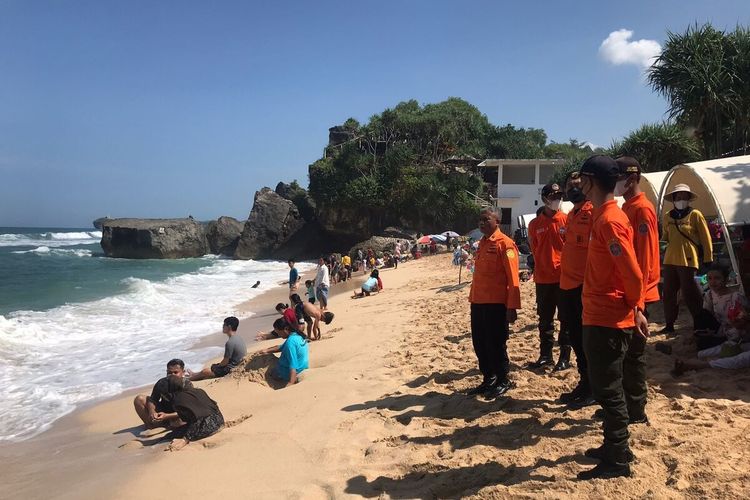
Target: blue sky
170, 108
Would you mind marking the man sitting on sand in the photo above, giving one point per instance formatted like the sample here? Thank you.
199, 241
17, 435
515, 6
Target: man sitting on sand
160, 401
234, 350
294, 355
312, 315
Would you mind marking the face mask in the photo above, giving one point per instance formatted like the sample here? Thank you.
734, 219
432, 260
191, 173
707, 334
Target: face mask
681, 205
554, 205
575, 195
620, 187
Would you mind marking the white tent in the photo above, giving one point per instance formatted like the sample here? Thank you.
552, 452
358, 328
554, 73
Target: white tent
651, 183
723, 189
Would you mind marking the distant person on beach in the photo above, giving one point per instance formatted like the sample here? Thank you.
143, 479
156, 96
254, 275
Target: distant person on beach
645, 231
256, 285
160, 400
322, 283
312, 315
495, 297
613, 305
346, 261
572, 269
713, 325
546, 239
200, 413
294, 355
278, 325
310, 286
293, 277
234, 350
371, 285
289, 314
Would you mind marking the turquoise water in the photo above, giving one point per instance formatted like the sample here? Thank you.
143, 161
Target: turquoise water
42, 268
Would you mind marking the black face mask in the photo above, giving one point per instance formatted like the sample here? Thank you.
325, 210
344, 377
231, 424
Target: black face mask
575, 195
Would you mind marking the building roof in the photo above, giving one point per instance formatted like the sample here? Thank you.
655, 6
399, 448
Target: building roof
495, 162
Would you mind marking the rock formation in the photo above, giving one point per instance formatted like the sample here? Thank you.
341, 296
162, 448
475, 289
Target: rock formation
98, 223
153, 238
377, 243
223, 235
272, 222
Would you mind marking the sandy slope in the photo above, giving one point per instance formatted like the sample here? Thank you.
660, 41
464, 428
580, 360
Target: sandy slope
381, 414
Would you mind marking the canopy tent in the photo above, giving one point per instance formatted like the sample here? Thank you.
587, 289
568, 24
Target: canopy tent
723, 190
651, 183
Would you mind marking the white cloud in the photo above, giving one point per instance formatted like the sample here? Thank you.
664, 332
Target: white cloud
617, 49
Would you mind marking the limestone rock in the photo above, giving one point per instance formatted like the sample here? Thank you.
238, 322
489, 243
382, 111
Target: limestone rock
273, 221
378, 244
153, 238
223, 235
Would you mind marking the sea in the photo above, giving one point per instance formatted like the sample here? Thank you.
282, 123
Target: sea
76, 326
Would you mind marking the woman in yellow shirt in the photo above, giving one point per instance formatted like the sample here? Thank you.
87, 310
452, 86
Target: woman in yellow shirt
689, 246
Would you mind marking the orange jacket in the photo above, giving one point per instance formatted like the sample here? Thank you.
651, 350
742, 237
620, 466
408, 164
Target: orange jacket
577, 234
613, 283
495, 279
642, 217
546, 238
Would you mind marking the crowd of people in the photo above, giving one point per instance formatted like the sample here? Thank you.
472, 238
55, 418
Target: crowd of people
600, 268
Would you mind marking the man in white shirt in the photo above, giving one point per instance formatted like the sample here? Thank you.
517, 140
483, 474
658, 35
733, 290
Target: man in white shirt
322, 283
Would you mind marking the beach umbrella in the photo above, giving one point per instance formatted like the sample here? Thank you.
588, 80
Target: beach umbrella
450, 234
438, 238
424, 240
476, 234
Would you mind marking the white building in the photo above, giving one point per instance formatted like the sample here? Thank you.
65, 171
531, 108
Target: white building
519, 187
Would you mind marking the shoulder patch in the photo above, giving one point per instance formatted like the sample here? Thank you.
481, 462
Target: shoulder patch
510, 253
614, 248
643, 228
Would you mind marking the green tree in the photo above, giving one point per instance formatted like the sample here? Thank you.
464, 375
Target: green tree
658, 146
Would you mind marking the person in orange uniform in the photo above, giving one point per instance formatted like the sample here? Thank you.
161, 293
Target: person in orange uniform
642, 217
572, 268
495, 296
613, 304
546, 239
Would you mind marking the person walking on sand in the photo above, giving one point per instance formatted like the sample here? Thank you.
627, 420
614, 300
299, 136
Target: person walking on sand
572, 268
234, 350
689, 246
160, 400
643, 221
322, 283
495, 297
546, 239
613, 305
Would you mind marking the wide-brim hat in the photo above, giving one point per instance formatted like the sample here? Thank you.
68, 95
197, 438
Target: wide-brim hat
682, 188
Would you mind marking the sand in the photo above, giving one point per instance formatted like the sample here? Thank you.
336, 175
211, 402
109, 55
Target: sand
381, 413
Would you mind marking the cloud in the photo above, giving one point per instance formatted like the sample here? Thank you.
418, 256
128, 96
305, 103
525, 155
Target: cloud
617, 49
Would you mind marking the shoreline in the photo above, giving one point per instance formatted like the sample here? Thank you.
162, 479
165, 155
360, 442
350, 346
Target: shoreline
70, 435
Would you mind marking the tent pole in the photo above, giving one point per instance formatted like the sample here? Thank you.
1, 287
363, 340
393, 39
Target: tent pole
732, 256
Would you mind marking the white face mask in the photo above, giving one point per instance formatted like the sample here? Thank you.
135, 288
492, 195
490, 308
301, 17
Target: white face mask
681, 205
620, 187
554, 205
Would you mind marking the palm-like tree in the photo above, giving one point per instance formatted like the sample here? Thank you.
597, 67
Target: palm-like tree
658, 146
694, 74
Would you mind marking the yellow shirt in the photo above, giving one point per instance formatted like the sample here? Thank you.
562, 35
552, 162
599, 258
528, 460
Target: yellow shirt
346, 260
680, 251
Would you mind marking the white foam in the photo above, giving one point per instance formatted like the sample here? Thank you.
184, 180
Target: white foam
44, 250
50, 239
50, 361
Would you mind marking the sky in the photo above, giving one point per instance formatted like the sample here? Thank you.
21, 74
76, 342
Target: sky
176, 108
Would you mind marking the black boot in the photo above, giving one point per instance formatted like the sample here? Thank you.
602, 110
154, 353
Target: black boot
485, 386
563, 362
544, 360
605, 470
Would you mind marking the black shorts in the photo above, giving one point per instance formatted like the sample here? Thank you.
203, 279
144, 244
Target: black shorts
219, 370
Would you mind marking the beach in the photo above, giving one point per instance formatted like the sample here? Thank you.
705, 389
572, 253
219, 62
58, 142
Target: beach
382, 413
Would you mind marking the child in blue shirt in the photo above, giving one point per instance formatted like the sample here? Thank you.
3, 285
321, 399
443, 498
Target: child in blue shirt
310, 284
294, 356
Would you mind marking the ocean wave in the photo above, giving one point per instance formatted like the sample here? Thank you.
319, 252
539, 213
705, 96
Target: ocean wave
50, 239
44, 250
50, 361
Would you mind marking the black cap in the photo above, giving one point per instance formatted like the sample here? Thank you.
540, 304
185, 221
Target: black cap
550, 189
628, 165
600, 166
